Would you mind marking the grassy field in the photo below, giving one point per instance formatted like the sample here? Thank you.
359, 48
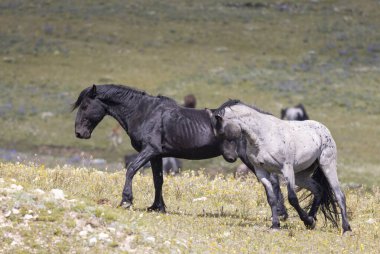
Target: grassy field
223, 215
325, 54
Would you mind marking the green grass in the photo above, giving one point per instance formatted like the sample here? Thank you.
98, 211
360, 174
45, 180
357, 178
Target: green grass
324, 54
233, 217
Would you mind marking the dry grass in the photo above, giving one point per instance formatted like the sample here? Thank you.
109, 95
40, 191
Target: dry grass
231, 217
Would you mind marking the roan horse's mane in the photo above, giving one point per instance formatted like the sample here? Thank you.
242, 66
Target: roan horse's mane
120, 92
230, 103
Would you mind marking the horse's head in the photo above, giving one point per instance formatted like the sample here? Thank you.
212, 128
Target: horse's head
90, 112
229, 133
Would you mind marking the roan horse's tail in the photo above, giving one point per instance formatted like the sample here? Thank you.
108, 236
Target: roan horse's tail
328, 202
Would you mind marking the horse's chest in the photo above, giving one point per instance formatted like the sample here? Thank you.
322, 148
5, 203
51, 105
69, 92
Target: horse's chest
261, 158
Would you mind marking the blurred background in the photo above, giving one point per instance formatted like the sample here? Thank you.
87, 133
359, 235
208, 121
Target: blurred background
274, 54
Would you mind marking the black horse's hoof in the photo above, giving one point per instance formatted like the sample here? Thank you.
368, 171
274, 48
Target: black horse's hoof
310, 223
275, 226
156, 208
125, 204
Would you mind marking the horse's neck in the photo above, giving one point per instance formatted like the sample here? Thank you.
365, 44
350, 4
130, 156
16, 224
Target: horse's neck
250, 125
125, 111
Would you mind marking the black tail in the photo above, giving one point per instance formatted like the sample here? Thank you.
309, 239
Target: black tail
328, 203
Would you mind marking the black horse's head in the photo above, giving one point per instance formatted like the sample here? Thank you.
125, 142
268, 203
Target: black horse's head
90, 112
229, 133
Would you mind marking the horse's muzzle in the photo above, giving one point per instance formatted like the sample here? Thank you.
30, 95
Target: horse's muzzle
84, 135
230, 159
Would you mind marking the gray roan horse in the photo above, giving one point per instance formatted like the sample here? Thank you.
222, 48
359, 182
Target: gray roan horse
303, 152
158, 127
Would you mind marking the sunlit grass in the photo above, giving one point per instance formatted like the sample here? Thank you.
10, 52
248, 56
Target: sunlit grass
222, 215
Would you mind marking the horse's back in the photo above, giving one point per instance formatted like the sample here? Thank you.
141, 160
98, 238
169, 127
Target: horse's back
187, 133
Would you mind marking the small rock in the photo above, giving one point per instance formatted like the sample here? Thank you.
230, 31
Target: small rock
111, 229
7, 214
15, 211
226, 234
83, 233
150, 239
92, 241
103, 236
39, 191
371, 221
46, 115
57, 194
28, 217
93, 222
16, 187
200, 199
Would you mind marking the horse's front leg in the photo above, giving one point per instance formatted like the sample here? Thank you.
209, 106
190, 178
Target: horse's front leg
264, 176
144, 156
288, 173
158, 179
281, 209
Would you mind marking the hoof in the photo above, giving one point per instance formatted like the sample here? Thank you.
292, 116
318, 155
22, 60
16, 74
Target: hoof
125, 204
155, 208
348, 233
275, 226
311, 225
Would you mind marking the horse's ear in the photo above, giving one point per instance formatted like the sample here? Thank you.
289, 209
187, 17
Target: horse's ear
209, 112
92, 93
219, 118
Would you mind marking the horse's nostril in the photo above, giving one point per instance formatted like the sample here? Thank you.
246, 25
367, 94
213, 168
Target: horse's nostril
77, 134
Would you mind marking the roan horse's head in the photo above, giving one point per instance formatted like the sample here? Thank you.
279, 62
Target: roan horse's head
229, 133
90, 112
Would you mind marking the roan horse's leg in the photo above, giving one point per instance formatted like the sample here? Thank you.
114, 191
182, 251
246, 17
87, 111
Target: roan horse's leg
143, 157
281, 209
158, 204
328, 165
263, 176
274, 180
304, 180
288, 173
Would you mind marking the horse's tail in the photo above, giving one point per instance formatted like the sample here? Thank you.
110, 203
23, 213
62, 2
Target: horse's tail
328, 204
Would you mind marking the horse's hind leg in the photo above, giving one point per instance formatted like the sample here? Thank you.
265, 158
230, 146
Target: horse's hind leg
328, 165
158, 204
288, 173
304, 180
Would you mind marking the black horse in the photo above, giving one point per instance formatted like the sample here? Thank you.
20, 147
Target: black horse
157, 126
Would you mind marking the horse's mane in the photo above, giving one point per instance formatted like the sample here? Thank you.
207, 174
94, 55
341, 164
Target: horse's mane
120, 92
81, 96
230, 103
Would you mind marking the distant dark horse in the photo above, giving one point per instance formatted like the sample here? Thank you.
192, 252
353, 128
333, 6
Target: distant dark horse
296, 113
157, 126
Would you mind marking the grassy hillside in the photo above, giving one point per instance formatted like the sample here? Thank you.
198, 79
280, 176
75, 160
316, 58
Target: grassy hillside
325, 54
223, 215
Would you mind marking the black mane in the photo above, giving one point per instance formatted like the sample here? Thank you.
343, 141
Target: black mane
119, 92
230, 103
